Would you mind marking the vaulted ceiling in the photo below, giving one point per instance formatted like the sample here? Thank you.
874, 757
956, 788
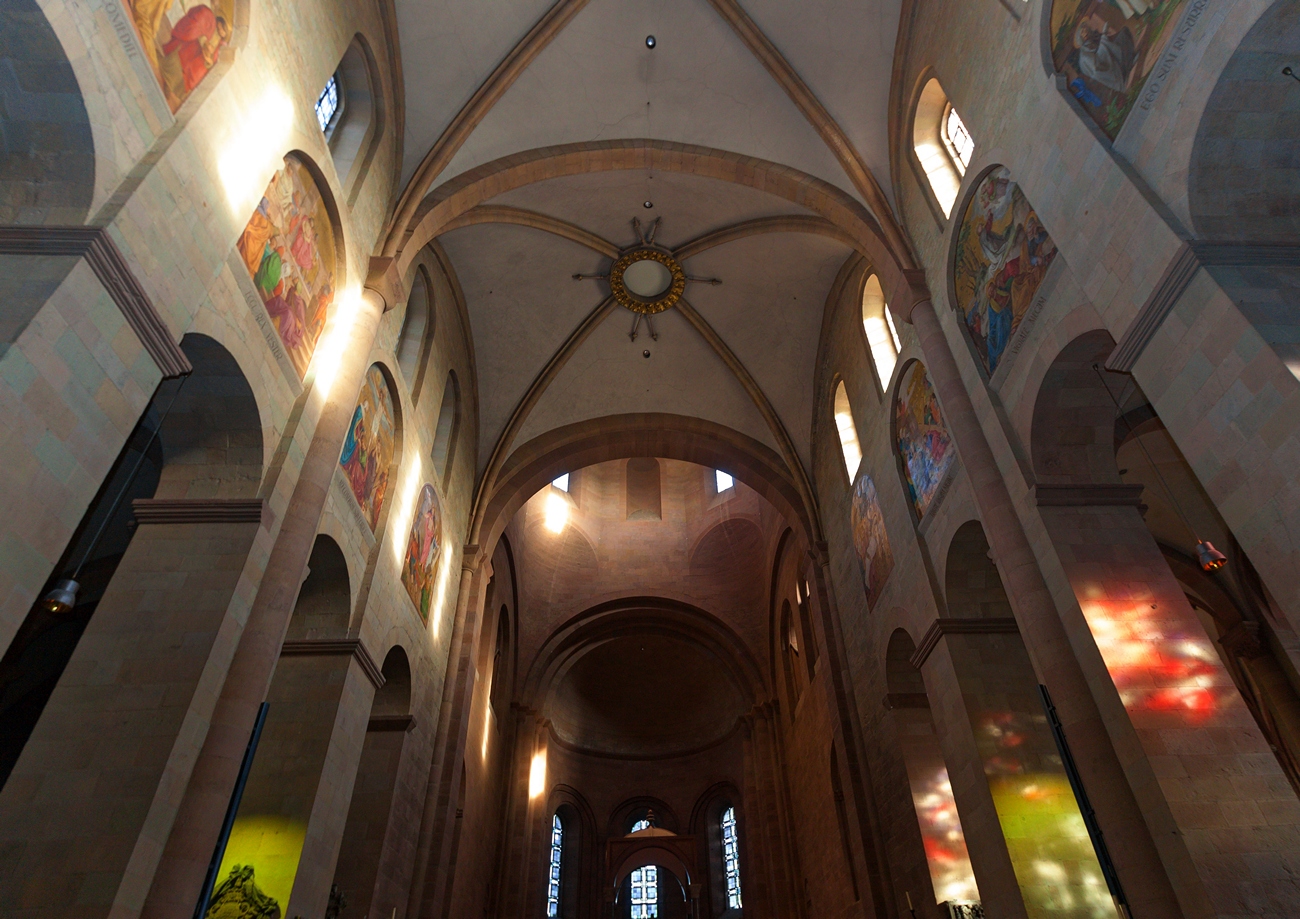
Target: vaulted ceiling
801, 85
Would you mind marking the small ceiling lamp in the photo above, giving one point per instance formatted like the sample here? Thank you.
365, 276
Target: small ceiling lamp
62, 598
1211, 559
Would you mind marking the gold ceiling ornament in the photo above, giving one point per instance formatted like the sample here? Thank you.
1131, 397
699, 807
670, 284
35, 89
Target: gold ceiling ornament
647, 280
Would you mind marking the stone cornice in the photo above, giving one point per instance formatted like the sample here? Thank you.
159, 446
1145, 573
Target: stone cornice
198, 510
941, 627
329, 647
111, 268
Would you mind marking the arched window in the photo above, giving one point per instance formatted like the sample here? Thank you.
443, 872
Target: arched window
553, 878
444, 436
350, 115
882, 337
943, 144
848, 431
500, 659
731, 858
722, 480
415, 328
645, 892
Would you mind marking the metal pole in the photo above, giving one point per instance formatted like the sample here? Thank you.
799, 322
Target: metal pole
210, 881
1085, 806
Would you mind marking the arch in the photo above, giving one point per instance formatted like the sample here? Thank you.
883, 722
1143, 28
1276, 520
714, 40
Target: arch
324, 606
924, 448
1243, 190
358, 125
718, 549
47, 161
394, 697
628, 812
1072, 438
942, 161
502, 672
447, 430
972, 587
536, 463
789, 649
878, 326
644, 501
418, 327
298, 301
429, 218
1001, 255
581, 850
850, 447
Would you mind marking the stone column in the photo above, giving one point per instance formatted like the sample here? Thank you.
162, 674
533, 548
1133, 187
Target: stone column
176, 883
92, 796
1144, 870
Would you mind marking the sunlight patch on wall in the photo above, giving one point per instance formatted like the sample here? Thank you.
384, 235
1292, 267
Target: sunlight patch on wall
255, 149
945, 843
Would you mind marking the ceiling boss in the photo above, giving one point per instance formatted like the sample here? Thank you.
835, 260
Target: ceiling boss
646, 279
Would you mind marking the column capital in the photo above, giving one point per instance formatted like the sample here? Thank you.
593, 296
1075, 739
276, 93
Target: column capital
384, 282
910, 294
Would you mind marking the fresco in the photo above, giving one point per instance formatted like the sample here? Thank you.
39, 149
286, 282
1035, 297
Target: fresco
368, 448
870, 538
1003, 252
1106, 49
422, 548
923, 442
288, 248
181, 40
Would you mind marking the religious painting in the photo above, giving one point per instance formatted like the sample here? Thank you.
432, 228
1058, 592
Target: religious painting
422, 548
182, 40
870, 538
368, 447
288, 248
1106, 49
923, 442
1003, 253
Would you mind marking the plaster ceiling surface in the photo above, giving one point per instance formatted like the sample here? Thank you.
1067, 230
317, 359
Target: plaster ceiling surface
522, 304
688, 206
449, 47
769, 311
844, 51
597, 80
609, 375
647, 694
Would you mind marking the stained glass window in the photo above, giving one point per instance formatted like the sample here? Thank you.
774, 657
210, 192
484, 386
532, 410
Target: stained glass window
327, 105
553, 881
645, 891
731, 857
723, 480
960, 144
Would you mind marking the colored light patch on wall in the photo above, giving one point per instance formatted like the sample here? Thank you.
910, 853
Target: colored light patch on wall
1051, 853
1160, 664
941, 834
272, 847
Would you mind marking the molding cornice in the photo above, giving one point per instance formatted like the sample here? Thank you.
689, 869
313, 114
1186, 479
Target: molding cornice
816, 226
1190, 258
941, 627
403, 723
472, 114
198, 510
827, 127
517, 216
336, 647
1088, 495
111, 268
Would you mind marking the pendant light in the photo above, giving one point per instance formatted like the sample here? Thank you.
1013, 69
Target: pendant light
63, 597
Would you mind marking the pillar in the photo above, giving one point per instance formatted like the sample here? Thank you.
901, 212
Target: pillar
180, 874
1145, 870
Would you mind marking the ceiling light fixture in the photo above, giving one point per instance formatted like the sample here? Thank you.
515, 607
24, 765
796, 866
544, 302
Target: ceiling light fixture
650, 41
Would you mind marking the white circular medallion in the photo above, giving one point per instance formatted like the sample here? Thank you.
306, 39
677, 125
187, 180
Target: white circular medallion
647, 278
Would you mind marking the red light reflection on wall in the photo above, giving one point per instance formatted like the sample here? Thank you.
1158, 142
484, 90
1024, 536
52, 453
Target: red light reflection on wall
1159, 663
945, 844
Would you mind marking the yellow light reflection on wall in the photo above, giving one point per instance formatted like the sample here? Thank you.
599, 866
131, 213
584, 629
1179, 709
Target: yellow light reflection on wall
406, 509
556, 512
253, 152
329, 353
537, 775
272, 846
